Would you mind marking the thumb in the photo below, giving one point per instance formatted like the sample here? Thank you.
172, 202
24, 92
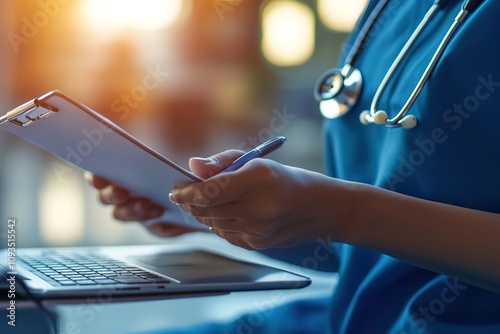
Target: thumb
208, 167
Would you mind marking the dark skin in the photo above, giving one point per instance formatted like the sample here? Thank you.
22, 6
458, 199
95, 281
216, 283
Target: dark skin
127, 208
267, 204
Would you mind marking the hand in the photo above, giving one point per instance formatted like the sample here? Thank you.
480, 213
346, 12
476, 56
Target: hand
266, 204
129, 208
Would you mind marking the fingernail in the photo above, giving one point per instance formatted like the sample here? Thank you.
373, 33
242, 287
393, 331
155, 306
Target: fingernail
139, 208
158, 229
171, 198
88, 176
202, 160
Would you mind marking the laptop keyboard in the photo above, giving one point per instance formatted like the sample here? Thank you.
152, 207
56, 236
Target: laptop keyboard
71, 269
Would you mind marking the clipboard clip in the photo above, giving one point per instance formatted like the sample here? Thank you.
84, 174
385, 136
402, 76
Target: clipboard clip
28, 113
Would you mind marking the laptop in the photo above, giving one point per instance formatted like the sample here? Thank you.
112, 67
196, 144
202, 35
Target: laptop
173, 268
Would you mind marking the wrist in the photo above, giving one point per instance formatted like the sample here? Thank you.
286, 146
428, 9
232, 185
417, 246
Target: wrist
333, 207
346, 210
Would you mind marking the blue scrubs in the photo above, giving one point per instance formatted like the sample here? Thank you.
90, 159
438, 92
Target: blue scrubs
452, 156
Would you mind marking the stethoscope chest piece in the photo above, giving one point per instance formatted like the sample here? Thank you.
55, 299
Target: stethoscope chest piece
337, 90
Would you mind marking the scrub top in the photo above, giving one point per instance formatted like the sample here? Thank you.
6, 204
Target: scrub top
452, 156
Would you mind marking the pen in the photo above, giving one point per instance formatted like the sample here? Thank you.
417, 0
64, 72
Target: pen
258, 152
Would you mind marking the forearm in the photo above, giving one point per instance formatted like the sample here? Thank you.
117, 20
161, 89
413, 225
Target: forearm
448, 239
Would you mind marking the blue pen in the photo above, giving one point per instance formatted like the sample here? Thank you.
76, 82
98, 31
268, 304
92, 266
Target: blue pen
258, 152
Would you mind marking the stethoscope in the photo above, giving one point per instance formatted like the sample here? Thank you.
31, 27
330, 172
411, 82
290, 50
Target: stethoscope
338, 90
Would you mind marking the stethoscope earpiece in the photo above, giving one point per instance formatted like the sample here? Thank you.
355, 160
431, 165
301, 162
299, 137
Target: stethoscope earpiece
380, 117
408, 122
363, 117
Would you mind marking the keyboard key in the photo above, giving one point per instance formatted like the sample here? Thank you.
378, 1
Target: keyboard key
84, 271
74, 275
38, 266
90, 269
56, 277
86, 282
66, 283
75, 266
67, 271
95, 267
59, 267
105, 272
105, 281
96, 277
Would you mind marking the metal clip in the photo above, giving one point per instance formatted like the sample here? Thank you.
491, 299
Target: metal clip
30, 112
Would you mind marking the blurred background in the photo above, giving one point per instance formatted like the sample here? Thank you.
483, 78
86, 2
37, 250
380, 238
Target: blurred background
186, 77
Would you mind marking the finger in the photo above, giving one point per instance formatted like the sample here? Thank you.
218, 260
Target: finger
234, 238
220, 189
231, 210
208, 167
169, 230
95, 181
137, 210
113, 195
228, 225
248, 228
226, 187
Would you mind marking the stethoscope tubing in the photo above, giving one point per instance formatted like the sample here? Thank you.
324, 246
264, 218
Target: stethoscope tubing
373, 115
404, 51
393, 122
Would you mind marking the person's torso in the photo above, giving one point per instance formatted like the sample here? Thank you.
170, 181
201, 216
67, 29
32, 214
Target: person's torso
452, 156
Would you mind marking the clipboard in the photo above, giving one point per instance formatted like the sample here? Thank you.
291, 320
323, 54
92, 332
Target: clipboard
87, 140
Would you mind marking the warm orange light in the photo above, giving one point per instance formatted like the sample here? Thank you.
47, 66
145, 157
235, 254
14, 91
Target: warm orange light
287, 33
62, 213
137, 14
340, 15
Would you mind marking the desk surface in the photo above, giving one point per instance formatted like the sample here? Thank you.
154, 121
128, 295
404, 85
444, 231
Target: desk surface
95, 315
